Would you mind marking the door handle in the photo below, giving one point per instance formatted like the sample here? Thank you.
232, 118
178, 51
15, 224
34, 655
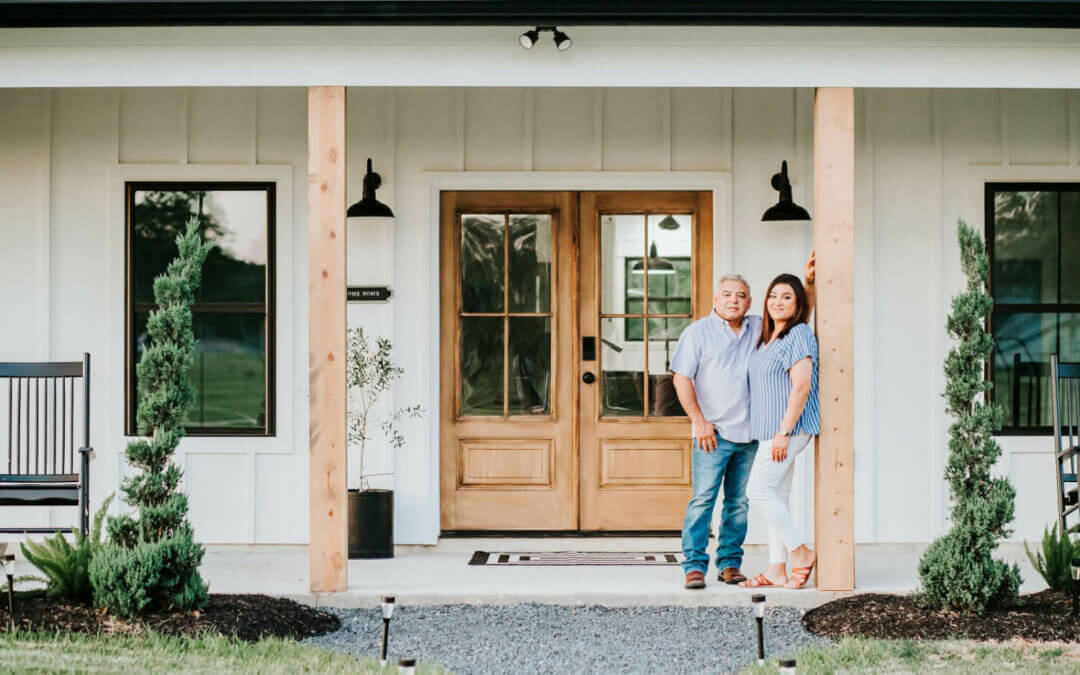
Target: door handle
588, 378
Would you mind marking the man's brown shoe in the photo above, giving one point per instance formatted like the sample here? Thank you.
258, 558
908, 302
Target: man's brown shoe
731, 575
695, 579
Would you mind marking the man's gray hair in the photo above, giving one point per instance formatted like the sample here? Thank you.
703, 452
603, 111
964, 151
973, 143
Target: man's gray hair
734, 277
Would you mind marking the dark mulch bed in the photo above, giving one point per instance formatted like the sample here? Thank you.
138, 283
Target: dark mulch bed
1043, 616
244, 617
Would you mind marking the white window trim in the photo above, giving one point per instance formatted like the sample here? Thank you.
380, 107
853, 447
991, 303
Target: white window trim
283, 441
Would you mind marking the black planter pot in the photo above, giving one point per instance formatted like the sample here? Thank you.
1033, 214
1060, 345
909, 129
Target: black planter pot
371, 524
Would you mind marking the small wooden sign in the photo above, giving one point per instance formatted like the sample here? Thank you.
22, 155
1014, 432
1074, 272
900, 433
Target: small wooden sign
368, 293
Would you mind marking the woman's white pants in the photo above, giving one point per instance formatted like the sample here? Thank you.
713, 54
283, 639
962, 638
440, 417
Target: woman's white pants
769, 488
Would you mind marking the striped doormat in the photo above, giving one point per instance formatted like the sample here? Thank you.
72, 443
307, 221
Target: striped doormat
542, 558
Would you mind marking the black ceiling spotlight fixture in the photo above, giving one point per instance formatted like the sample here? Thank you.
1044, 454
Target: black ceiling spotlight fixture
785, 209
368, 206
529, 38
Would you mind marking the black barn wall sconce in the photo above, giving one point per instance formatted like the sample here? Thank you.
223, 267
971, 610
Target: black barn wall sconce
785, 209
368, 206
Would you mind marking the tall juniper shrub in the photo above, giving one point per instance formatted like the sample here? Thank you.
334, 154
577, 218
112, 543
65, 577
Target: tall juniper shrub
152, 561
958, 571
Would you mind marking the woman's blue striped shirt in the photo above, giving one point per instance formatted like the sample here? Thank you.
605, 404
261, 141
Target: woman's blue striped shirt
770, 384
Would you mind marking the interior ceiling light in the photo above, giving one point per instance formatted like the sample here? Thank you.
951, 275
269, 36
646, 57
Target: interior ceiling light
529, 38
668, 223
786, 208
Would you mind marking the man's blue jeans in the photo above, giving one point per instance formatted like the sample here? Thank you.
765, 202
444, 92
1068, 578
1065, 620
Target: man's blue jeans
729, 464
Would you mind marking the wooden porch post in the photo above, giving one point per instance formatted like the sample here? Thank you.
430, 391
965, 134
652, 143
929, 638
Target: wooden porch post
326, 334
834, 241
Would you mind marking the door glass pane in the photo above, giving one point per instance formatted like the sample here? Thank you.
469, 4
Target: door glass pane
622, 237
1025, 247
481, 366
1024, 343
530, 263
530, 365
663, 336
482, 267
622, 378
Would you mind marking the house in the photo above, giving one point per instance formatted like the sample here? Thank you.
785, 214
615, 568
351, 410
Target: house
543, 201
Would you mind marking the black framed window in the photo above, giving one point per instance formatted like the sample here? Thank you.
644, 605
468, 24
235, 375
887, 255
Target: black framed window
1033, 236
233, 313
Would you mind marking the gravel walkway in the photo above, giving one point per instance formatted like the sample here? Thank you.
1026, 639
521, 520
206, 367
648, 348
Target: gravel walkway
548, 638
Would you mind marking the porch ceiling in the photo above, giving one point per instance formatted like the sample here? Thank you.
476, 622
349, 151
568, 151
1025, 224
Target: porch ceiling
1021, 13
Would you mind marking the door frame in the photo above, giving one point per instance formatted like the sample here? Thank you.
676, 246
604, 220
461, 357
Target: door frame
719, 183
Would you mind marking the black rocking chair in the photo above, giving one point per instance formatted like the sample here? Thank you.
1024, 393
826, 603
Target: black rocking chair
43, 466
1065, 399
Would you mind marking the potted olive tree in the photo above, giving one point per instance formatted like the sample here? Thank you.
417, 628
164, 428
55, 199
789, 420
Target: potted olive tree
371, 373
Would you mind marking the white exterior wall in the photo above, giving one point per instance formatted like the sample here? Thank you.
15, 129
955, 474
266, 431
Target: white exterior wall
922, 156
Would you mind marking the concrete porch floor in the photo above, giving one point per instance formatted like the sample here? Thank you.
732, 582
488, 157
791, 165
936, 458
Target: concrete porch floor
439, 575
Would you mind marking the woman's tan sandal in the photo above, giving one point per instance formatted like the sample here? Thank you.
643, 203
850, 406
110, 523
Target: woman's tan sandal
759, 580
799, 576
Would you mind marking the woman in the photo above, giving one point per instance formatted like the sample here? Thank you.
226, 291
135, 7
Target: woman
784, 418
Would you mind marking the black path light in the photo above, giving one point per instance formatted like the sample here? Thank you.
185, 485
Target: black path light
785, 209
368, 206
387, 603
1075, 586
788, 666
9, 570
530, 37
407, 666
759, 615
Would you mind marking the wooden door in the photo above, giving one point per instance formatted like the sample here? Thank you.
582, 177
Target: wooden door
508, 357
646, 273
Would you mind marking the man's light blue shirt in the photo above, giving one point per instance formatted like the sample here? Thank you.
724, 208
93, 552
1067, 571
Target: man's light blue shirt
716, 358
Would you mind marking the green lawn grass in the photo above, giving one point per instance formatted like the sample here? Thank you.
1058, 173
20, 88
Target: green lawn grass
70, 653
852, 655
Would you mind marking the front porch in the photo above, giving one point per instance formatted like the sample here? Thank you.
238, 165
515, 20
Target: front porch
440, 575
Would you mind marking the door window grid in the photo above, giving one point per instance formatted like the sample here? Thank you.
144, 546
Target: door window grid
640, 327
505, 356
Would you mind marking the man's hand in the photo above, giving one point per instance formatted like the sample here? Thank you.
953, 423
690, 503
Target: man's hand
705, 435
811, 267
779, 448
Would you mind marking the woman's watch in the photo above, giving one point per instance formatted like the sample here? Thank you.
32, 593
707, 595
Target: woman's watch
784, 431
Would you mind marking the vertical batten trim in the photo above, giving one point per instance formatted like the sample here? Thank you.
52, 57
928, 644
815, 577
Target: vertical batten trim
186, 111
528, 123
730, 131
1003, 118
598, 129
1073, 108
254, 92
666, 129
865, 308
45, 229
937, 345
461, 107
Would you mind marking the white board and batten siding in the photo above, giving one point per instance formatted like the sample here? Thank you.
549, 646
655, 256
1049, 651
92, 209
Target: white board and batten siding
921, 158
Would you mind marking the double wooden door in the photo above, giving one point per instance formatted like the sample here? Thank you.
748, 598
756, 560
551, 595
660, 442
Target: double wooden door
560, 312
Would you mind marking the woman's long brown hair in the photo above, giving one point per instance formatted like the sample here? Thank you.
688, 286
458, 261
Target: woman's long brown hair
802, 308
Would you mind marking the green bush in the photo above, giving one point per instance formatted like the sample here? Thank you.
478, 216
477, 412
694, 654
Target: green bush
158, 574
1054, 562
152, 561
65, 566
958, 571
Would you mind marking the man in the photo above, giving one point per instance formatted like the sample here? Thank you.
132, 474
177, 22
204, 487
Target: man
709, 371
